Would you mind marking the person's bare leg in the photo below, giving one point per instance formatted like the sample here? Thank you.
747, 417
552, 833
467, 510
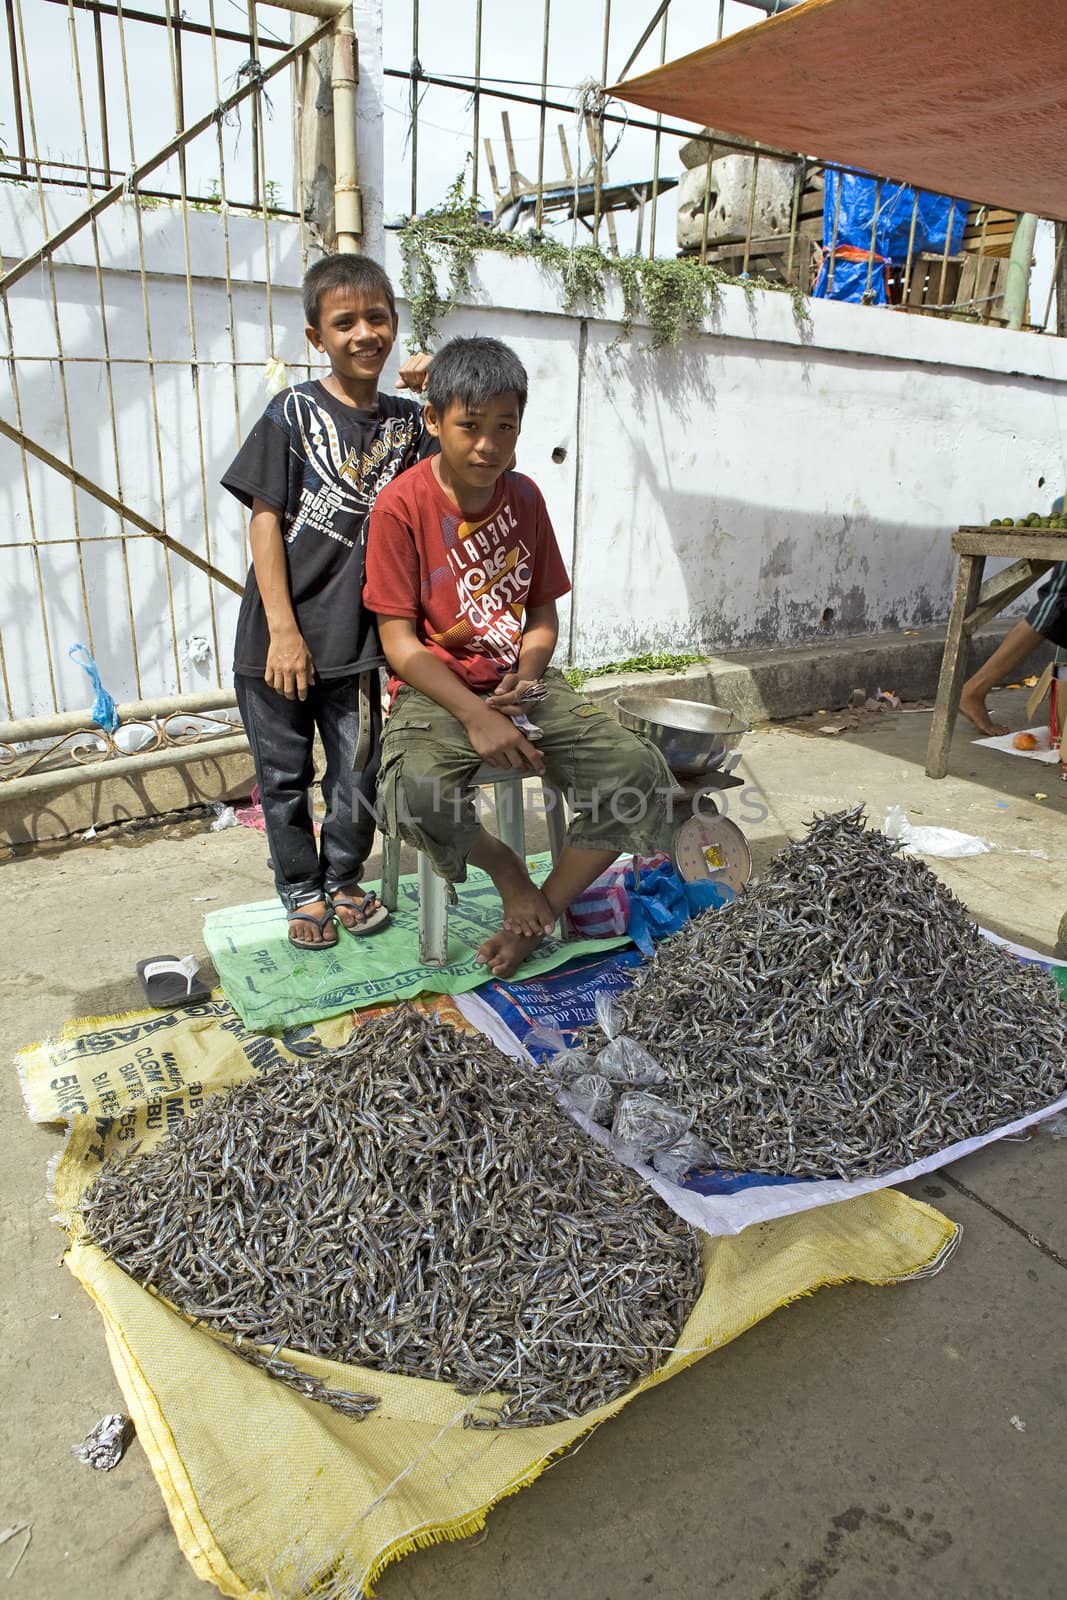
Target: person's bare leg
575, 870
1009, 654
526, 911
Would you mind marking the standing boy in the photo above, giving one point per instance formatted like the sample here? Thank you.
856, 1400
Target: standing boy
309, 472
464, 572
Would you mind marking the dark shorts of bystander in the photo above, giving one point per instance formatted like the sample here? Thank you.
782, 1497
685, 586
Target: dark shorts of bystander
1048, 616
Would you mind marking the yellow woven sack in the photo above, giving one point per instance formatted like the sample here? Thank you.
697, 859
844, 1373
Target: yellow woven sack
273, 1496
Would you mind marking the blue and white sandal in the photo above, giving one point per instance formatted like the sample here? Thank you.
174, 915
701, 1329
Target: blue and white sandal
170, 982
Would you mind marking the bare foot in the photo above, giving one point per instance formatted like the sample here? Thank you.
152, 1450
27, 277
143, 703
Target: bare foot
526, 911
312, 925
973, 707
503, 953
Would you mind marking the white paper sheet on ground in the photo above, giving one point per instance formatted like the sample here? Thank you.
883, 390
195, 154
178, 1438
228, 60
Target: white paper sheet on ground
1003, 741
732, 1213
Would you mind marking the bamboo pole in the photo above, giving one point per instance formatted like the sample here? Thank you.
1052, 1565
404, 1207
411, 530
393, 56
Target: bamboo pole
347, 201
130, 183
231, 744
66, 722
1017, 286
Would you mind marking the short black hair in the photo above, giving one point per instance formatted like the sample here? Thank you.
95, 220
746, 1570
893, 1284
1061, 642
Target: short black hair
473, 371
357, 273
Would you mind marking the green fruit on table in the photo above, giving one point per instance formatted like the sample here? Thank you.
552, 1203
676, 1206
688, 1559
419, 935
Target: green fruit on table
1008, 522
995, 522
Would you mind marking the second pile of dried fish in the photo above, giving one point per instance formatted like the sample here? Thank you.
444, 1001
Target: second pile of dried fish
411, 1203
843, 1016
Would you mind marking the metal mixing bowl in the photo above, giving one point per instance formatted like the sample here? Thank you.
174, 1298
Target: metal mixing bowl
695, 739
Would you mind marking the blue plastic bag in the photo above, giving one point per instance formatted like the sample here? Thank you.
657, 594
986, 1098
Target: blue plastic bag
103, 713
663, 902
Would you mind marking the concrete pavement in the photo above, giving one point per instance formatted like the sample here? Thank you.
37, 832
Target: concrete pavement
859, 1445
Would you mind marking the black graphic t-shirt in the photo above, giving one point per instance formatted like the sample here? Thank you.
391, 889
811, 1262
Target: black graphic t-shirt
321, 464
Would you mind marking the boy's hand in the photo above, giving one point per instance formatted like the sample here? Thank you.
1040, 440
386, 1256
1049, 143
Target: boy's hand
497, 740
503, 696
413, 373
508, 695
289, 670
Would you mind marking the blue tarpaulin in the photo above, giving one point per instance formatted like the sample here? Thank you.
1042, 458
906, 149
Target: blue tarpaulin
896, 204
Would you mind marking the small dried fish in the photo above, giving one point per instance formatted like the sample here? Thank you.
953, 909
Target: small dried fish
844, 1016
412, 1203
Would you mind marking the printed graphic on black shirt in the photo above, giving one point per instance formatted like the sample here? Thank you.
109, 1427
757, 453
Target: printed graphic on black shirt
340, 479
320, 464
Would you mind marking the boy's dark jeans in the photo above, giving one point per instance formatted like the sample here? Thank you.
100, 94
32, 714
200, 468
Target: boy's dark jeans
281, 733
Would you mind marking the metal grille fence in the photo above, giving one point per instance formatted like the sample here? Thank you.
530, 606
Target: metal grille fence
462, 103
156, 229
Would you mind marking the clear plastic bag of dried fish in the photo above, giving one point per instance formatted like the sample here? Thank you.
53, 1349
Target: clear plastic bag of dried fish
413, 1203
844, 1017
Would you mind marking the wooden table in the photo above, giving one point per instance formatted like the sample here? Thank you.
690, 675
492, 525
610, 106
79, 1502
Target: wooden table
975, 602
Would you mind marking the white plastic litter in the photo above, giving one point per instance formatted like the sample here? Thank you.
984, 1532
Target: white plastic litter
946, 843
275, 377
106, 1445
133, 737
225, 817
18, 1530
197, 650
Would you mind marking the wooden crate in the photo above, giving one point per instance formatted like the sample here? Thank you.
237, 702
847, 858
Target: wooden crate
989, 230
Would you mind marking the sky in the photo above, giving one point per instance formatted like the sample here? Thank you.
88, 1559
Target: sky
512, 38
62, 78
515, 33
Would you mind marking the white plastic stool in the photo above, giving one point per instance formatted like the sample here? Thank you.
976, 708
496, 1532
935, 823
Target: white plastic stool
434, 892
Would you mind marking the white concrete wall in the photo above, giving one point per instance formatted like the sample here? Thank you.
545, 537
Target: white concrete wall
723, 494
732, 491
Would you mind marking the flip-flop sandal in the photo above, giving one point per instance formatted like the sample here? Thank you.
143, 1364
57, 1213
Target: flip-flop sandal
370, 921
170, 982
322, 923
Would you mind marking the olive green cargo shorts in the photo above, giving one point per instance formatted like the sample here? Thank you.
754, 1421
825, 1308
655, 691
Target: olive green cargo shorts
616, 783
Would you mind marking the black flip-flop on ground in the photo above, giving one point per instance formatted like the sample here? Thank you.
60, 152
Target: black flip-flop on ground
171, 981
370, 920
322, 923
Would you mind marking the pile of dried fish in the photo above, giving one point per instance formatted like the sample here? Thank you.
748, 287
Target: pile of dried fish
411, 1203
842, 1017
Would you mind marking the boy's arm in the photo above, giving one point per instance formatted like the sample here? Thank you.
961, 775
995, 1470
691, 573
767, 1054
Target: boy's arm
289, 670
539, 634
494, 736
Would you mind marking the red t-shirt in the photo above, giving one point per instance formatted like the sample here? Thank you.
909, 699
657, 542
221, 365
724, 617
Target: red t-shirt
466, 583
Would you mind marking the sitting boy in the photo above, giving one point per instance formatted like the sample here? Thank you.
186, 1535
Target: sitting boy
464, 572
309, 471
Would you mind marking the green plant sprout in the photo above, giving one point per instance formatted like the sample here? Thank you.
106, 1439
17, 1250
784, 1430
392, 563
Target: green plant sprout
652, 661
677, 294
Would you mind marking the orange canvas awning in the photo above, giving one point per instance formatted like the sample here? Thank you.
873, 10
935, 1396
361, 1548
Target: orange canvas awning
964, 97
